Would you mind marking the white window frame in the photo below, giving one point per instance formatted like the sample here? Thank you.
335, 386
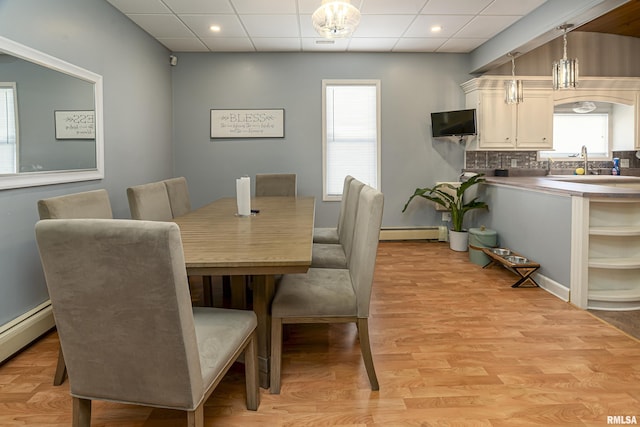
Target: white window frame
15, 152
358, 82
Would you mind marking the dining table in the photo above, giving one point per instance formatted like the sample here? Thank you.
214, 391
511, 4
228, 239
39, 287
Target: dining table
276, 239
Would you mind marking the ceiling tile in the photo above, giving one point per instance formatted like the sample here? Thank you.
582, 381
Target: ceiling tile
140, 6
450, 24
184, 44
324, 45
486, 26
455, 7
278, 7
269, 44
386, 7
383, 26
510, 7
372, 44
161, 26
271, 25
460, 45
230, 25
229, 44
418, 44
199, 6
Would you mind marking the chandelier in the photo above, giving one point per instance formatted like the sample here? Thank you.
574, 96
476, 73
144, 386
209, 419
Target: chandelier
513, 92
565, 71
336, 19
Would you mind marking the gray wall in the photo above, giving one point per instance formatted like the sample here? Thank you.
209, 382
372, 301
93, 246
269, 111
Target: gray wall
412, 86
137, 115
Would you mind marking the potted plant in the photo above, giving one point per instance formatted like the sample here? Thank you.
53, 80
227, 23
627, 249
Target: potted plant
455, 204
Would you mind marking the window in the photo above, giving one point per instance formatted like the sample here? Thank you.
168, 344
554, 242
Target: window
572, 131
350, 134
8, 129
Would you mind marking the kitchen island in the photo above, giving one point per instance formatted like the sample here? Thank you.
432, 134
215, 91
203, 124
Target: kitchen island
584, 231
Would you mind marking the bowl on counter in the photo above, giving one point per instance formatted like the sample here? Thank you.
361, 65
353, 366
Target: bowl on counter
516, 259
501, 251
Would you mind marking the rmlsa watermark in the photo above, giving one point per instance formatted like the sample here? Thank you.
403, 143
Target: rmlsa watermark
621, 419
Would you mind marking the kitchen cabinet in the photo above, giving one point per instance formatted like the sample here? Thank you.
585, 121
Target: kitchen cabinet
524, 126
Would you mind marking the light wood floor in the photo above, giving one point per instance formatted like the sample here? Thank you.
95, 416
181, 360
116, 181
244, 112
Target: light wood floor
453, 345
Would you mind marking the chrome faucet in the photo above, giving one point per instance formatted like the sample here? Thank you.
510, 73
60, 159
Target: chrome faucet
583, 153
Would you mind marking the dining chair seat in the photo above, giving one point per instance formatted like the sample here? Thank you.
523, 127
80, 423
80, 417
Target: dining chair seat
326, 295
125, 344
87, 204
325, 255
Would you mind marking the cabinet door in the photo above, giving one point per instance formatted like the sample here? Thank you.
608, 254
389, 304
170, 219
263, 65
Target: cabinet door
496, 122
535, 122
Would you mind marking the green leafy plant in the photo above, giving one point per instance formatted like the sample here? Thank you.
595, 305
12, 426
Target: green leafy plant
454, 204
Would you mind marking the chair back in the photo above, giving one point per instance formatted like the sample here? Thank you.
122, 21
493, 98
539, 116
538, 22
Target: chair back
121, 302
88, 204
366, 235
346, 231
276, 184
343, 204
149, 202
178, 193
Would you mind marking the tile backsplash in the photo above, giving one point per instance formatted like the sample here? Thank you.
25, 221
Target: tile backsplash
529, 160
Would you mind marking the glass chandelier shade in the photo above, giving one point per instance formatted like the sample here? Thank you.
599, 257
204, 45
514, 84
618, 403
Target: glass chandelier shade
336, 19
565, 71
513, 89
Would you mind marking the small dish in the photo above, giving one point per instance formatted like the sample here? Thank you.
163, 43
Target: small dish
517, 259
501, 251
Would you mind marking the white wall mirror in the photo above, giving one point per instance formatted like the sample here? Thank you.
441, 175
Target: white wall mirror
51, 127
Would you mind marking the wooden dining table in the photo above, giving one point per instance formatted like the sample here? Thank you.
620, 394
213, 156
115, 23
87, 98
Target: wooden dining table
276, 240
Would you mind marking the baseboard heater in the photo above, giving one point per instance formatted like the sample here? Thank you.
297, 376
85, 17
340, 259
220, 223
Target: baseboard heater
23, 330
414, 233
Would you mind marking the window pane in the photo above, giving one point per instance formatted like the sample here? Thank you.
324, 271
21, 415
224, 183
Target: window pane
572, 131
351, 145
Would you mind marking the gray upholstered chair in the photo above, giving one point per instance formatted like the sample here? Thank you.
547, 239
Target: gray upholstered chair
327, 255
178, 193
324, 295
88, 204
331, 235
125, 344
276, 184
150, 202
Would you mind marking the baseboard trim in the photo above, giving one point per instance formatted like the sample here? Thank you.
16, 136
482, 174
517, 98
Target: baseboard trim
413, 233
553, 287
23, 330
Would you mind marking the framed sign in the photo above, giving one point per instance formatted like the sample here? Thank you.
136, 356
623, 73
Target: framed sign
247, 123
75, 124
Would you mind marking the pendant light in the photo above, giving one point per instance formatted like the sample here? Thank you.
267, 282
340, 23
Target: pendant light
513, 91
565, 71
336, 19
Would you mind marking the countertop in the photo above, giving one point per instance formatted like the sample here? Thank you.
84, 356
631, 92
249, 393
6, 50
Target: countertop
575, 185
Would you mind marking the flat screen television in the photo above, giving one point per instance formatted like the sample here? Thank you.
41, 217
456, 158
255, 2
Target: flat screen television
453, 123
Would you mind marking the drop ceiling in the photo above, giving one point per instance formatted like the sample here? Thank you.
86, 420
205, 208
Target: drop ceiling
285, 25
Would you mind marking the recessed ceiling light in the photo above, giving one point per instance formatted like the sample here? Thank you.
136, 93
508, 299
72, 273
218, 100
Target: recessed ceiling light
215, 28
436, 28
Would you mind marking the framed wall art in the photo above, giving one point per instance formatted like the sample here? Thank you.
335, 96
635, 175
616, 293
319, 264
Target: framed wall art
245, 123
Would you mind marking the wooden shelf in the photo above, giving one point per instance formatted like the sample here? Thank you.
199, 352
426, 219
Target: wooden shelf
615, 295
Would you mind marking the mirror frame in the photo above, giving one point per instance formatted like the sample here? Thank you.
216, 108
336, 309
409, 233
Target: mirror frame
32, 179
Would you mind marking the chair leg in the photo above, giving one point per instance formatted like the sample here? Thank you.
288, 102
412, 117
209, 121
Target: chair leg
251, 373
365, 348
195, 418
276, 354
81, 412
61, 370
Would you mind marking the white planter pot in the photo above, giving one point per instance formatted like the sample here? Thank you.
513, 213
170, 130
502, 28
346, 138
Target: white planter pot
459, 240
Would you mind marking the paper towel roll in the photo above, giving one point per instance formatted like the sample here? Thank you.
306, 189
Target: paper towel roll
243, 195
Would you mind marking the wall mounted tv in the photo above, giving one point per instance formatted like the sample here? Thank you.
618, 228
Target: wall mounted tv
453, 123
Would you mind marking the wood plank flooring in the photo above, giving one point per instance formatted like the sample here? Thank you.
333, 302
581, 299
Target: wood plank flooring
453, 345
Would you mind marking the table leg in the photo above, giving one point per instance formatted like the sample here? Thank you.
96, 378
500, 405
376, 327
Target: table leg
207, 291
239, 292
263, 290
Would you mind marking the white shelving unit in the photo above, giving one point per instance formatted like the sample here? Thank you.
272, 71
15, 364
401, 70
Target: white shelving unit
613, 266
